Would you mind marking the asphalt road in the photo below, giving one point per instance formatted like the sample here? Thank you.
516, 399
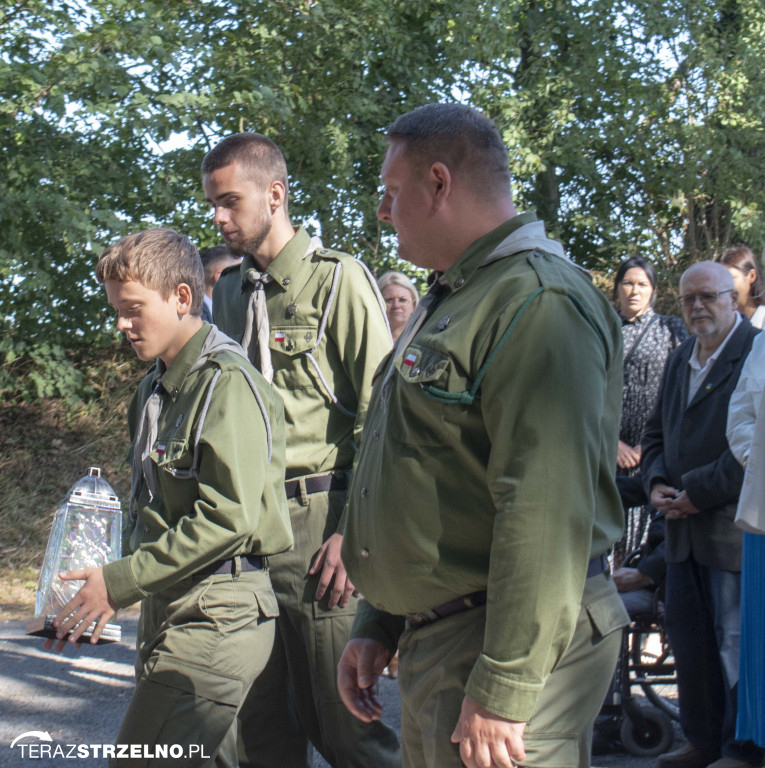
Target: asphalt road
76, 699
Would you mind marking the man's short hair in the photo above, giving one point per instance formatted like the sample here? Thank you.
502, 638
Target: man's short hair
160, 259
460, 137
261, 160
213, 256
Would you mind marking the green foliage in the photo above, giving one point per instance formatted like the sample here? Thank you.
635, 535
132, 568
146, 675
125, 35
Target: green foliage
635, 128
33, 371
632, 127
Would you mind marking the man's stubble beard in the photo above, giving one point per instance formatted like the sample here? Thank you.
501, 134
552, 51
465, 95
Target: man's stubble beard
252, 244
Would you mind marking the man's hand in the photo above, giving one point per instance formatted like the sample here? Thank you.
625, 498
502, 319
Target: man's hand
627, 457
630, 579
358, 670
331, 565
487, 740
681, 507
662, 496
91, 603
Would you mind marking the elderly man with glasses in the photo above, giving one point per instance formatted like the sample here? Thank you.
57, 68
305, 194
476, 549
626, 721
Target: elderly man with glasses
694, 479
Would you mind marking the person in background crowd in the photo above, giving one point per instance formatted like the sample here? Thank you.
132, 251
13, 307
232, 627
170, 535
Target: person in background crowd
648, 340
692, 477
214, 261
748, 281
400, 298
746, 437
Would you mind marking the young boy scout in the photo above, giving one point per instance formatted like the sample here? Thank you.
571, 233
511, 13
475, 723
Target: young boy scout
312, 321
207, 505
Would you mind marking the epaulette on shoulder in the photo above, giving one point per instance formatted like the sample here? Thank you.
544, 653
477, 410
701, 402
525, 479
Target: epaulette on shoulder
227, 360
331, 255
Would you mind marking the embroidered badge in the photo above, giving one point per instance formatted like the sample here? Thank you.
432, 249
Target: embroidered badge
409, 359
160, 450
279, 337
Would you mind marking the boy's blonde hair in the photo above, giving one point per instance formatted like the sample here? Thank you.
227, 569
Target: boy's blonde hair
160, 259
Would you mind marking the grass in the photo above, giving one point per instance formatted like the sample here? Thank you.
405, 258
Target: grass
45, 447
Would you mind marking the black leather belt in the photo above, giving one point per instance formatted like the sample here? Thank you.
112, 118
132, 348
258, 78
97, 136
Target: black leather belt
457, 605
318, 484
246, 563
596, 566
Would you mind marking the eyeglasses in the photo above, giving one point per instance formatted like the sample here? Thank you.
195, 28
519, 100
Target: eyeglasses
706, 298
397, 300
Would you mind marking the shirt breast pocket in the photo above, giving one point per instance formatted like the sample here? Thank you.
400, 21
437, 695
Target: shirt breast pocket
423, 366
427, 420
289, 348
175, 457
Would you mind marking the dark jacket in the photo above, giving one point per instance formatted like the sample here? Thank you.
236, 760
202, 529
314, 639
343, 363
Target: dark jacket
685, 446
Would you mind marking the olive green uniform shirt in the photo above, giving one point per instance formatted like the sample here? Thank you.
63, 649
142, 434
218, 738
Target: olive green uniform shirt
235, 505
321, 435
511, 492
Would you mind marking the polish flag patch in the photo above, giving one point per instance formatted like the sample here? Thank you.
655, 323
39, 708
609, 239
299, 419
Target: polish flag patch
160, 450
279, 338
409, 359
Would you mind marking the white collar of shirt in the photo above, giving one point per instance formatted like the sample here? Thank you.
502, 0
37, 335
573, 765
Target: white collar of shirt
698, 371
208, 302
758, 318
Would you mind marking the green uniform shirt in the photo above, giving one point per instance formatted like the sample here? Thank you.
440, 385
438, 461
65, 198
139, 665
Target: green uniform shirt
511, 493
320, 434
234, 506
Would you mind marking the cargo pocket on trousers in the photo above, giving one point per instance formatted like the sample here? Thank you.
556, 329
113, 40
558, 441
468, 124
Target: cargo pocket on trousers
202, 682
607, 614
267, 605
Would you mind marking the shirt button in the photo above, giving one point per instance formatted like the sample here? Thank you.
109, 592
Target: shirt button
376, 435
459, 282
286, 281
415, 372
363, 492
147, 528
364, 553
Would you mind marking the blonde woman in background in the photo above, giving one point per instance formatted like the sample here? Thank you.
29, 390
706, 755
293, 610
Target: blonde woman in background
400, 300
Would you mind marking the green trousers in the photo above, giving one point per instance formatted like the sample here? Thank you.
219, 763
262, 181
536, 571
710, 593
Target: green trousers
295, 700
435, 662
201, 644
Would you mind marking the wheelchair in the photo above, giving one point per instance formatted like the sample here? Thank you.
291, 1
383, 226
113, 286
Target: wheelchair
643, 728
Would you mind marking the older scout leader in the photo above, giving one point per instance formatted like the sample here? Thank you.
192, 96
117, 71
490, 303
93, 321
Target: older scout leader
484, 499
312, 321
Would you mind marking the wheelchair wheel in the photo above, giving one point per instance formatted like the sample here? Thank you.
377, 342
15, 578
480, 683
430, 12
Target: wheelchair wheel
654, 670
653, 736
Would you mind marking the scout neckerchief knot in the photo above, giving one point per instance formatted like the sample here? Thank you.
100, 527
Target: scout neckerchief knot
258, 325
143, 466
